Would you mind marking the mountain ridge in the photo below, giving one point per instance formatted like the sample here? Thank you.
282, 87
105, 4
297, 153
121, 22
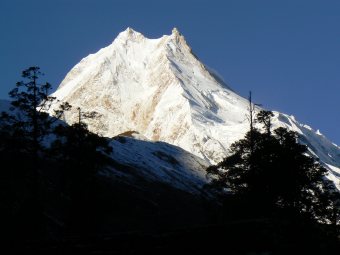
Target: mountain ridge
159, 88
171, 83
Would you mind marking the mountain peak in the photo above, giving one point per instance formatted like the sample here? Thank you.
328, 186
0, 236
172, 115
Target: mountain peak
179, 39
160, 89
130, 30
175, 31
131, 34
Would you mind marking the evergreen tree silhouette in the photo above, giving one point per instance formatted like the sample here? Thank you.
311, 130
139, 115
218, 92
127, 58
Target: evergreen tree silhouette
45, 157
21, 147
30, 98
24, 134
271, 172
80, 154
264, 117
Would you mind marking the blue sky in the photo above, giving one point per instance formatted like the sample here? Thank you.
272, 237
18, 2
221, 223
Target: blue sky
286, 52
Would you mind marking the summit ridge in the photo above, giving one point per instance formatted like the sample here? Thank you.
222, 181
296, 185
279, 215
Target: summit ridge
160, 89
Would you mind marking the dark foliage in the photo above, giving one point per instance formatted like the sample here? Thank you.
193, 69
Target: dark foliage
22, 152
54, 201
79, 155
268, 174
30, 98
38, 174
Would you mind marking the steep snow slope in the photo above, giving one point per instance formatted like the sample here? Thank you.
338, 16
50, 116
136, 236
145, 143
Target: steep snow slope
160, 89
136, 157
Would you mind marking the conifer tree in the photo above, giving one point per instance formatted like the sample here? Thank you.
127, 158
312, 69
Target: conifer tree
80, 154
30, 99
273, 172
24, 132
265, 117
34, 147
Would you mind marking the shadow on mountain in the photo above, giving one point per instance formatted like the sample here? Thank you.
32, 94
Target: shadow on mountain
64, 199
113, 215
139, 202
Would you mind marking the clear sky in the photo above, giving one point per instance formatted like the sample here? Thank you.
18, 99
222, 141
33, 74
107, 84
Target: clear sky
286, 52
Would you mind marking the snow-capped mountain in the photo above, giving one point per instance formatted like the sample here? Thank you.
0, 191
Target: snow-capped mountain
160, 89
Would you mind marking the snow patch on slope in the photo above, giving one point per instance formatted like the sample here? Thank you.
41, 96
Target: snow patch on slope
159, 162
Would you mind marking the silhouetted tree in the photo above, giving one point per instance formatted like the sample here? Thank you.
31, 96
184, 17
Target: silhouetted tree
273, 172
25, 131
265, 117
22, 133
29, 100
84, 115
44, 157
251, 118
80, 154
80, 149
